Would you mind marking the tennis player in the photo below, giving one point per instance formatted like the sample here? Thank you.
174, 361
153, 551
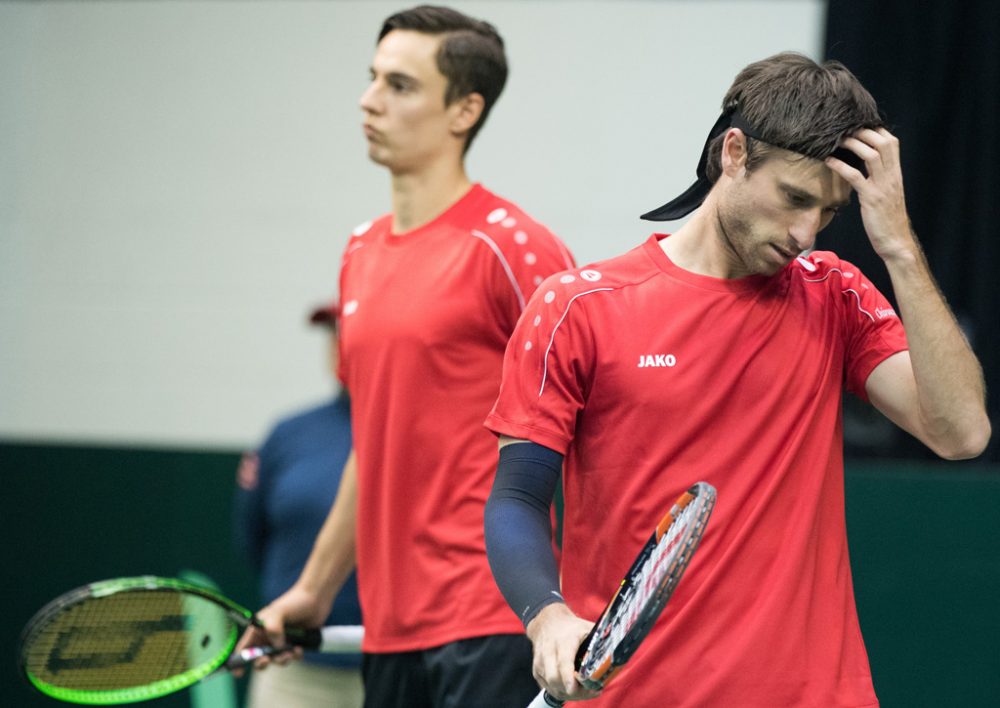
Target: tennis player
430, 294
721, 353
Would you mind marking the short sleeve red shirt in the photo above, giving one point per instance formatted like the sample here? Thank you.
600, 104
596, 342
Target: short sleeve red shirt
425, 318
649, 378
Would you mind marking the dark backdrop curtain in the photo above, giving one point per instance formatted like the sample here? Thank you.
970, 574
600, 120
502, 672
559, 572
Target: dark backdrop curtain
934, 69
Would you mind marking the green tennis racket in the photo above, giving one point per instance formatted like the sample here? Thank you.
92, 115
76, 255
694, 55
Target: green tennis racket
135, 639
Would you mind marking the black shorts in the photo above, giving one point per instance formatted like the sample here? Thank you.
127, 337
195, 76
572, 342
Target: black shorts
486, 672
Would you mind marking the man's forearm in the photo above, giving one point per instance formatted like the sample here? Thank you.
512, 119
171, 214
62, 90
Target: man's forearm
518, 528
333, 554
948, 377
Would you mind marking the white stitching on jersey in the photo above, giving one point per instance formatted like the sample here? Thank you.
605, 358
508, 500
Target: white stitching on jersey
845, 290
503, 261
545, 360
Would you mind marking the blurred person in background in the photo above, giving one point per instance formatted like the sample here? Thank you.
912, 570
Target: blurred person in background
285, 490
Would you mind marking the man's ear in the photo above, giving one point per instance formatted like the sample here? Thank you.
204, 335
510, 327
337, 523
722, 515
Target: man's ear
734, 152
465, 113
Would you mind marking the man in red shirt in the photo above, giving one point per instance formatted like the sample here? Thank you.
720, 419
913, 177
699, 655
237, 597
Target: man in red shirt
720, 353
430, 294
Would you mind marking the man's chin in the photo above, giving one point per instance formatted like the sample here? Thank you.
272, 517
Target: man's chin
377, 156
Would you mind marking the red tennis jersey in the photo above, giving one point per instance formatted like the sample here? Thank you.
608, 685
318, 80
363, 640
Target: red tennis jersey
426, 316
650, 378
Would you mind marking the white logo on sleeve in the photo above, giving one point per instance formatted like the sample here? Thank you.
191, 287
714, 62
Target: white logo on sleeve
806, 264
591, 275
653, 361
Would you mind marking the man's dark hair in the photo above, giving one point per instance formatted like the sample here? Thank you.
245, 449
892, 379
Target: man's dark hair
795, 104
471, 56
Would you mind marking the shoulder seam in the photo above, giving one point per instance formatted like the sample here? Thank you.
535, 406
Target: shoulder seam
476, 233
552, 337
844, 291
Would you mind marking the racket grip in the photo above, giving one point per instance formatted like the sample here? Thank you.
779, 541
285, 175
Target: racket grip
305, 638
335, 639
544, 700
341, 639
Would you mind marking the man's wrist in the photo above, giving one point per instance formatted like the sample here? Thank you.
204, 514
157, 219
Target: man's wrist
544, 613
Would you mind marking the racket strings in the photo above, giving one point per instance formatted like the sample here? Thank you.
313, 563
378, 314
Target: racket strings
648, 581
650, 585
124, 640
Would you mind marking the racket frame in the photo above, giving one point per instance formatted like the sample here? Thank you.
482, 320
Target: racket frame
704, 496
240, 617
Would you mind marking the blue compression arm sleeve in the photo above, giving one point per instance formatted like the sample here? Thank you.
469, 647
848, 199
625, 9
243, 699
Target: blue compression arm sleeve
519, 527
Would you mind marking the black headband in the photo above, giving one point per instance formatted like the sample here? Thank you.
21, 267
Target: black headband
692, 198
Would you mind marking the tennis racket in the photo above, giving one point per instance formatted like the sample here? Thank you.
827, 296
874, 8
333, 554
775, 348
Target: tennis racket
643, 592
135, 639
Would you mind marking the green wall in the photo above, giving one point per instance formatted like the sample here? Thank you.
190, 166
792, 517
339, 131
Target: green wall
923, 544
73, 515
926, 561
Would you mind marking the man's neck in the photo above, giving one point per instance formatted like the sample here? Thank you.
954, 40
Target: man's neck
420, 197
700, 246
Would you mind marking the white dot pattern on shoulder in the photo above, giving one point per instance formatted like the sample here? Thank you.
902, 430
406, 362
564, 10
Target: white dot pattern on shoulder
549, 298
509, 222
530, 258
567, 279
538, 280
527, 346
496, 216
520, 238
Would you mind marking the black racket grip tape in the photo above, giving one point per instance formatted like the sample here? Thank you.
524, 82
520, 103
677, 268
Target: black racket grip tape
305, 638
545, 700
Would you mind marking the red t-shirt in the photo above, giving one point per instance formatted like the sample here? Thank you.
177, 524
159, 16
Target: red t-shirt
649, 378
425, 319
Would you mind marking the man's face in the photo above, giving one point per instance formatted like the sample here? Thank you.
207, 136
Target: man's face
406, 122
769, 216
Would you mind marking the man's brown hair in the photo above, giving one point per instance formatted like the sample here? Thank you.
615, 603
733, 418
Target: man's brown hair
795, 104
471, 56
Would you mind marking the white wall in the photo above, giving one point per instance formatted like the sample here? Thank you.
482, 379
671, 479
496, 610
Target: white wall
177, 180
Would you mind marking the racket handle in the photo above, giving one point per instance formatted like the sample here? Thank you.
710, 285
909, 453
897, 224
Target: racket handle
340, 639
305, 638
544, 700
249, 655
335, 639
